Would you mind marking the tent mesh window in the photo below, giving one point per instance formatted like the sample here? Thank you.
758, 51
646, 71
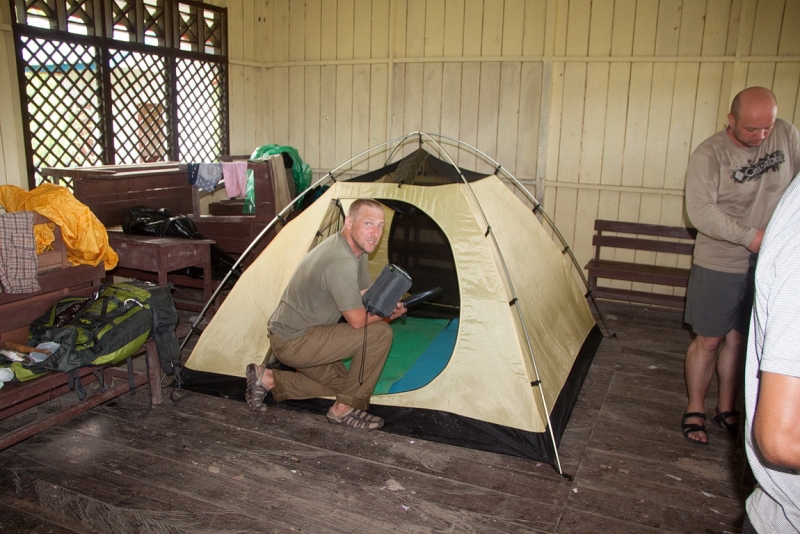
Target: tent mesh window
110, 82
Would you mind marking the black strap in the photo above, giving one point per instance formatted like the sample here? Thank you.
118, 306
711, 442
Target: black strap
177, 373
147, 371
363, 350
98, 374
131, 383
75, 383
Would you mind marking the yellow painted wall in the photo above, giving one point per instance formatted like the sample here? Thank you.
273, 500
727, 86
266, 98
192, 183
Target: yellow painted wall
595, 105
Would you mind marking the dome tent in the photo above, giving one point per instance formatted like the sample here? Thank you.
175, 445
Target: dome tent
514, 337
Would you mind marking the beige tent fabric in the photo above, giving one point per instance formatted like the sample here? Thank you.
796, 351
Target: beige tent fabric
237, 335
491, 369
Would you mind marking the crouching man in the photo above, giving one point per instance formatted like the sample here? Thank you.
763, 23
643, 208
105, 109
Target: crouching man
306, 332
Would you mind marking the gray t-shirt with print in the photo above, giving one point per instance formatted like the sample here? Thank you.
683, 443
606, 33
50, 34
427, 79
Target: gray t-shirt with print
732, 191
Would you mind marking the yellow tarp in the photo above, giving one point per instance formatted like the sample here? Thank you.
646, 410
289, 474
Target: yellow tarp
84, 235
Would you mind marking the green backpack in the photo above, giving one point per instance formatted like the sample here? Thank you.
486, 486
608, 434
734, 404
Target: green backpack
108, 327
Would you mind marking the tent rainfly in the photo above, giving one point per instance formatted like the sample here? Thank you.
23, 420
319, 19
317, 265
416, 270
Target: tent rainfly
495, 363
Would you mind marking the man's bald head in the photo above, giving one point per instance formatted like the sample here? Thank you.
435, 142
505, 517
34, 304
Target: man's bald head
752, 116
753, 97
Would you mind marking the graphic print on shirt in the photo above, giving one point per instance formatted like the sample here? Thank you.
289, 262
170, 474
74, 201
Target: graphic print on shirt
754, 171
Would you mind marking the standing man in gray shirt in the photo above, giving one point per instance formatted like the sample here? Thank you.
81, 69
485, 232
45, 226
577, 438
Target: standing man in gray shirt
734, 180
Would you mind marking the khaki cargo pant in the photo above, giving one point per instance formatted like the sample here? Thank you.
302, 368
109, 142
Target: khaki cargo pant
318, 356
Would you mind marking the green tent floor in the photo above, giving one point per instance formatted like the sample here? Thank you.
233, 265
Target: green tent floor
420, 351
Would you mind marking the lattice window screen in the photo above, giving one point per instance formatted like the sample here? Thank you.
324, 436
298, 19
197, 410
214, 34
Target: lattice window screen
139, 96
95, 94
200, 98
65, 111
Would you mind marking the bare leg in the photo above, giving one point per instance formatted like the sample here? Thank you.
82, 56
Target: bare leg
730, 370
339, 408
701, 359
266, 377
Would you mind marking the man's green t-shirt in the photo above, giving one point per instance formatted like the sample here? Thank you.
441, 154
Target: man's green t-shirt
327, 281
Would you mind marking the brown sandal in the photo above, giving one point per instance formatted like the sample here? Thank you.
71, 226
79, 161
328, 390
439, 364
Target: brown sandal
256, 391
355, 418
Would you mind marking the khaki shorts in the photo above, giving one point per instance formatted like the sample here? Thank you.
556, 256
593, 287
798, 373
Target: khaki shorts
718, 302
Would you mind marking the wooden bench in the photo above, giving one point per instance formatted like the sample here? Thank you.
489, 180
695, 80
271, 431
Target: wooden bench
18, 310
16, 397
111, 191
676, 240
229, 227
57, 278
160, 259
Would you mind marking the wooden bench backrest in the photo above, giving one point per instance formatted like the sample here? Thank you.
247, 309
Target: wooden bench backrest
56, 279
110, 197
656, 232
111, 191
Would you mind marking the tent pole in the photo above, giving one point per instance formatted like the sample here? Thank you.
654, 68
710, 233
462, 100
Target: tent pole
537, 208
512, 302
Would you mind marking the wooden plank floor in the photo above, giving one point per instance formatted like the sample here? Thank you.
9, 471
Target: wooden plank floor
208, 464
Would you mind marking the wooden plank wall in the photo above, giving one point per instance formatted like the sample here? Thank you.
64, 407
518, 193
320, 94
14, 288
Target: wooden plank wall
595, 105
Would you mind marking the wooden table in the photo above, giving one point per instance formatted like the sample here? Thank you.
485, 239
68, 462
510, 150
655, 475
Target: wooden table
161, 255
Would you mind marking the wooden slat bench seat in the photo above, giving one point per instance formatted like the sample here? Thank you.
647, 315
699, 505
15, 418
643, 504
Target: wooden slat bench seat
16, 397
677, 240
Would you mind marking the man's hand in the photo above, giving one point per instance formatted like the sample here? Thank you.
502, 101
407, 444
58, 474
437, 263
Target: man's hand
399, 311
755, 244
359, 318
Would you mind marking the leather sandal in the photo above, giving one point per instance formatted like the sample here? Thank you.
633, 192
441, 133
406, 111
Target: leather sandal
693, 427
720, 419
256, 390
355, 418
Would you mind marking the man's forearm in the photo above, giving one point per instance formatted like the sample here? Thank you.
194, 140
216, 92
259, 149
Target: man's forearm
713, 222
